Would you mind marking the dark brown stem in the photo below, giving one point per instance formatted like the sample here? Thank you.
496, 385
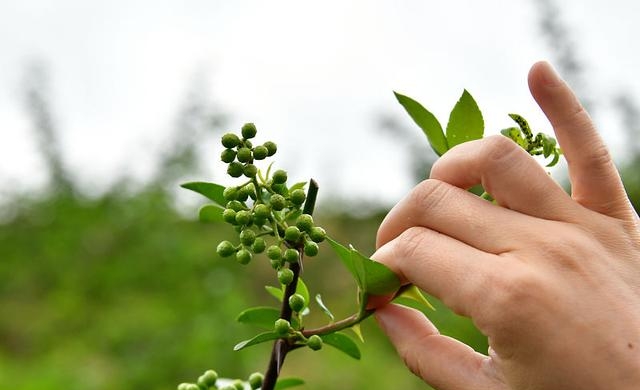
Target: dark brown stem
281, 347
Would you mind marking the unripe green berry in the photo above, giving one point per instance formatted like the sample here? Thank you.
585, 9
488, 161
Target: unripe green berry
235, 169
191, 386
259, 245
271, 147
230, 193
278, 202
292, 234
281, 326
230, 140
243, 217
249, 130
276, 264
317, 234
183, 386
310, 248
242, 196
255, 380
279, 177
260, 152
291, 255
225, 249
208, 379
235, 205
298, 197
297, 302
244, 155
274, 252
250, 170
229, 216
249, 189
243, 256
228, 155
261, 211
246, 143
280, 189
228, 387
315, 342
238, 385
304, 222
247, 237
285, 276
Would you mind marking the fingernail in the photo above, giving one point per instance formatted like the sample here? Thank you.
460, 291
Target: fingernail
550, 77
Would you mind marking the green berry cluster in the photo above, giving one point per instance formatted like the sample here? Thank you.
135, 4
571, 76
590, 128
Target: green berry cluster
283, 328
209, 381
265, 207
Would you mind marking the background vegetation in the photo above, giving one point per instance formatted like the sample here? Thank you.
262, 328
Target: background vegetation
122, 291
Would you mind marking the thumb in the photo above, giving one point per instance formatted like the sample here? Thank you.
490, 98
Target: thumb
442, 362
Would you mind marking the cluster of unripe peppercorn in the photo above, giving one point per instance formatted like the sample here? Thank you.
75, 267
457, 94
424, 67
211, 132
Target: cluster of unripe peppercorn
209, 381
263, 207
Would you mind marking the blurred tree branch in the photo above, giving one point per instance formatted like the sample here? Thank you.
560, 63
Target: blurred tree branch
37, 103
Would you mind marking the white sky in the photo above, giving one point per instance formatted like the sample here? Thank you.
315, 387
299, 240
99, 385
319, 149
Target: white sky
313, 76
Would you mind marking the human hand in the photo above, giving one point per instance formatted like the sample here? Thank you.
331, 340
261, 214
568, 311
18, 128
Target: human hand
553, 280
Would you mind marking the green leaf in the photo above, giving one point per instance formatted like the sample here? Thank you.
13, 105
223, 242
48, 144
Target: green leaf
276, 292
465, 122
343, 343
344, 254
324, 308
263, 316
427, 122
210, 213
372, 277
285, 383
378, 278
298, 186
261, 338
212, 191
413, 293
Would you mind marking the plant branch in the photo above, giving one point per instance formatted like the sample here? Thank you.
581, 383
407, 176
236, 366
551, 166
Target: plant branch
280, 346
339, 325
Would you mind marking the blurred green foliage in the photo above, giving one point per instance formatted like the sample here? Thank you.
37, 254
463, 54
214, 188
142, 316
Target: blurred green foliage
120, 292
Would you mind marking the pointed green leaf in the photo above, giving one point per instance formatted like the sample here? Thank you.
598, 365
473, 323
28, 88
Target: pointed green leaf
324, 308
210, 213
262, 316
261, 338
298, 186
276, 292
427, 122
378, 278
465, 122
344, 254
286, 383
372, 277
342, 342
413, 293
358, 331
212, 191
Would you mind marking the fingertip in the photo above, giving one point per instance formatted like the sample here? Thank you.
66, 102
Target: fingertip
543, 74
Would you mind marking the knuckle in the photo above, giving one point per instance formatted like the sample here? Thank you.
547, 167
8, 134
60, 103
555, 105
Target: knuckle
497, 150
513, 297
409, 243
429, 194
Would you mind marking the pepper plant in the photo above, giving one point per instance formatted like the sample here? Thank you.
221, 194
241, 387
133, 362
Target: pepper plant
274, 222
